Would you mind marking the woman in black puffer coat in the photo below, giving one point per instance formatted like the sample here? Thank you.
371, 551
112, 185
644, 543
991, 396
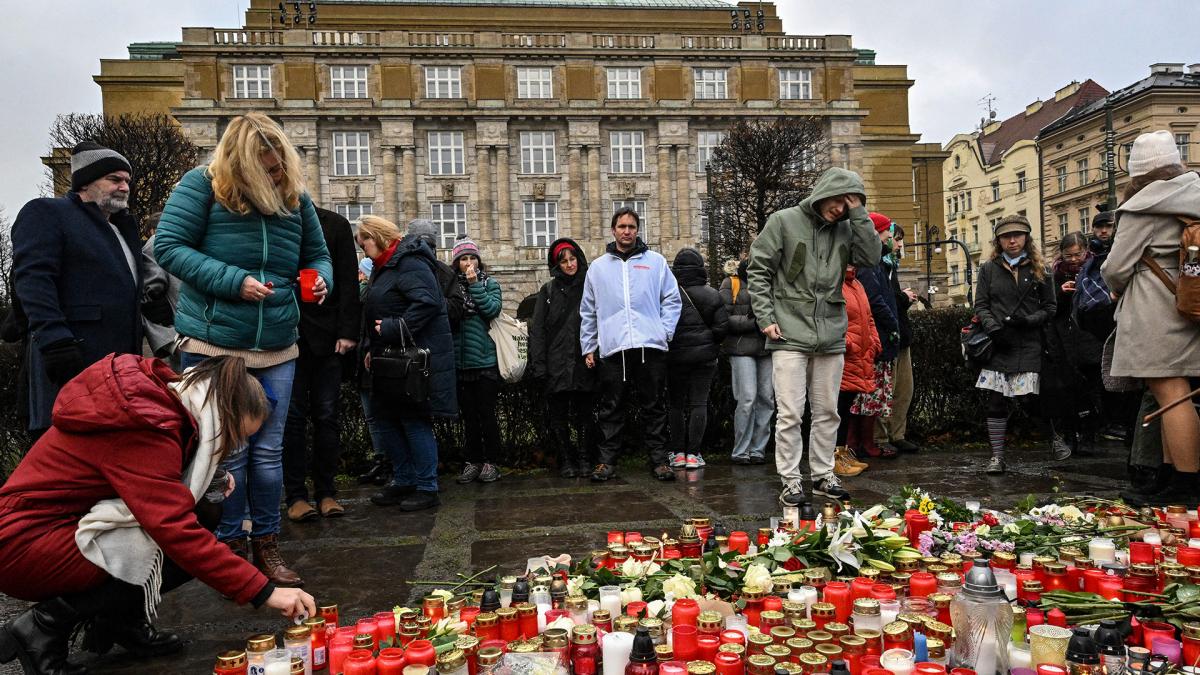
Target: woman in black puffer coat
692, 358
555, 358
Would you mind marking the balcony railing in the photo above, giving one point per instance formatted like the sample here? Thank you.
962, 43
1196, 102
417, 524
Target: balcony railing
534, 40
248, 37
711, 42
616, 41
441, 39
343, 38
796, 42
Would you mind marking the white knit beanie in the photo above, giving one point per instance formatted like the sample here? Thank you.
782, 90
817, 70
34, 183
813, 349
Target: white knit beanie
1152, 151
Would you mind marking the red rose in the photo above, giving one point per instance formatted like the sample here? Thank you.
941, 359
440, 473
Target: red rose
792, 564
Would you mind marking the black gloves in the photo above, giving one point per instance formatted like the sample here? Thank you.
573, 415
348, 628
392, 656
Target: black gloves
158, 310
62, 360
1017, 321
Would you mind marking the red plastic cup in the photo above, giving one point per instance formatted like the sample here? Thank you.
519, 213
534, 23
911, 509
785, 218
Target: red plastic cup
308, 279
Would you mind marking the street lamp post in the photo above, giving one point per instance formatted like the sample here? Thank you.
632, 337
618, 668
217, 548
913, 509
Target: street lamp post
936, 246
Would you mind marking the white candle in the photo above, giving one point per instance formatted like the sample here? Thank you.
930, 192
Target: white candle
1101, 550
542, 608
615, 649
808, 595
986, 660
791, 514
898, 661
278, 669
1027, 559
593, 605
888, 611
1152, 537
1019, 656
734, 622
610, 600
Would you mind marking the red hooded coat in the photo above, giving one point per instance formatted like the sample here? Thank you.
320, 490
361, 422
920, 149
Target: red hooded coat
118, 432
862, 340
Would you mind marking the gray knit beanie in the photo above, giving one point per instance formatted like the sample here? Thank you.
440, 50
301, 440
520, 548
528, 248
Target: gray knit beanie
425, 229
92, 161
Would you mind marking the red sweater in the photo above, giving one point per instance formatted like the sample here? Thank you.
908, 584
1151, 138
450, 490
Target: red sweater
118, 431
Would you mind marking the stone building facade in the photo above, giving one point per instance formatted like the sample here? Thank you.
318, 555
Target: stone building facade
520, 122
1074, 177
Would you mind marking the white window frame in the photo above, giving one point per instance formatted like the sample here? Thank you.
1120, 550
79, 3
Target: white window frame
638, 205
353, 211
445, 154
352, 153
450, 219
1082, 168
538, 153
1183, 141
540, 223
711, 83
535, 82
347, 81
1022, 182
704, 233
1064, 224
443, 82
1060, 172
1085, 218
626, 152
968, 195
258, 75
706, 141
624, 83
995, 191
795, 84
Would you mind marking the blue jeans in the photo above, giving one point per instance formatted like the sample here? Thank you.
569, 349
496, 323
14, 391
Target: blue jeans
364, 396
408, 441
753, 387
258, 470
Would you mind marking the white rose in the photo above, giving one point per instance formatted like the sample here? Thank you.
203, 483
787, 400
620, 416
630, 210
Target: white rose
1011, 528
983, 530
575, 585
633, 568
631, 594
1071, 513
680, 586
759, 575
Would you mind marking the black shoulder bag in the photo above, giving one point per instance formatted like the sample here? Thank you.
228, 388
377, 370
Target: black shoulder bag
401, 372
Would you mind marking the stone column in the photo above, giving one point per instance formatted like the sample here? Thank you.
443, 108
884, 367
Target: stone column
390, 202
504, 219
312, 171
577, 224
595, 205
483, 178
683, 201
664, 218
411, 210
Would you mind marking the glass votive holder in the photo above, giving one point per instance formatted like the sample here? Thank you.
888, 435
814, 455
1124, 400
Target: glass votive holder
1020, 656
737, 622
898, 661
1048, 645
1168, 648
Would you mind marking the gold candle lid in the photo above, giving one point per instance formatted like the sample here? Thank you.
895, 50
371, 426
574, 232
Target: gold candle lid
530, 609
701, 668
820, 636
799, 645
732, 648
260, 643
866, 607
489, 656
940, 600
815, 659
583, 634
625, 624
829, 651
599, 616
574, 603
777, 652
469, 643
300, 632
709, 619
771, 616
506, 613
434, 601
364, 641
664, 652
231, 659
487, 619
652, 625
752, 592
451, 660
759, 639
761, 661
803, 625
825, 609
836, 628
782, 633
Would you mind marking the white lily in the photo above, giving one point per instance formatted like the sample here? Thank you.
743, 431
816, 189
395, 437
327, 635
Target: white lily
983, 530
889, 523
779, 539
564, 622
842, 548
873, 512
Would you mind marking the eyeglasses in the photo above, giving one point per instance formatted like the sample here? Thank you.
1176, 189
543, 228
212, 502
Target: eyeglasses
276, 171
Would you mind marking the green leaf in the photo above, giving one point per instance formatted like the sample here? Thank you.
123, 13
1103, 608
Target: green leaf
1186, 593
781, 554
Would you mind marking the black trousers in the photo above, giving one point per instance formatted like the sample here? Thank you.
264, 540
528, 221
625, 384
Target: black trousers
573, 412
635, 375
477, 403
315, 391
688, 387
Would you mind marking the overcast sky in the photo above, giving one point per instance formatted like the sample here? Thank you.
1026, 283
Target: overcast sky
958, 51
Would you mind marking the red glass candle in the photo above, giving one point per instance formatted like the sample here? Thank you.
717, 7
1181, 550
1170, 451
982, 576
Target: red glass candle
551, 615
734, 637
1110, 588
915, 523
1156, 629
728, 663
527, 620
739, 541
1191, 644
837, 593
330, 614
1075, 578
1187, 556
1141, 552
434, 608
1034, 617
1022, 576
584, 652
1056, 617
683, 638
861, 588
633, 538
923, 584
498, 644
876, 670
685, 612
421, 653
883, 592
1055, 578
706, 647
869, 661
1091, 580
929, 668
360, 662
772, 603
390, 661
368, 626
637, 608
468, 615
616, 537
387, 629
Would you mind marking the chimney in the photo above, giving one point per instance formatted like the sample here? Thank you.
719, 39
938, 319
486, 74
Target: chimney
1166, 69
1066, 91
1033, 107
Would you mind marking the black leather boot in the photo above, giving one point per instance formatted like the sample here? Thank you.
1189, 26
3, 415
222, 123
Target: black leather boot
379, 473
39, 639
121, 619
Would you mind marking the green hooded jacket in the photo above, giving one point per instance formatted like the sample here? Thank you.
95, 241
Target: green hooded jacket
797, 264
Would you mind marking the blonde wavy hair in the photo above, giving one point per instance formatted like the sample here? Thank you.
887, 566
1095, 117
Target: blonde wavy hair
379, 230
1031, 250
240, 183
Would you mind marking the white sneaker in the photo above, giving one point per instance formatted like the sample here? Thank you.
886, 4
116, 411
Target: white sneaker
678, 461
695, 461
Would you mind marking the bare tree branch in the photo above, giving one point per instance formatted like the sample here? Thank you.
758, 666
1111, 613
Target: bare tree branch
154, 145
761, 167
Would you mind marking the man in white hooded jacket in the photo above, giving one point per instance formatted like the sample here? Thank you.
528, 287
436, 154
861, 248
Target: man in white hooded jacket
630, 307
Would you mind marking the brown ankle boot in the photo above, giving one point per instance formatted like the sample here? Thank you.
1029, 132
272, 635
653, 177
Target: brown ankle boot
270, 563
240, 547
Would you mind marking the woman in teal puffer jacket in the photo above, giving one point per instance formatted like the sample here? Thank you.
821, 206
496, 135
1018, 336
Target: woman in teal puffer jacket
475, 362
237, 233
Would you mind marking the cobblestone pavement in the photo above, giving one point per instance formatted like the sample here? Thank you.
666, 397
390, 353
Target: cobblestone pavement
364, 561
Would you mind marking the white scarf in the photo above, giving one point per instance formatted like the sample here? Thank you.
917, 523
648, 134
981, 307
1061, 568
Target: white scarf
111, 538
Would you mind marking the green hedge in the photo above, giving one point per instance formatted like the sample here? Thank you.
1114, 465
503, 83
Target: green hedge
945, 405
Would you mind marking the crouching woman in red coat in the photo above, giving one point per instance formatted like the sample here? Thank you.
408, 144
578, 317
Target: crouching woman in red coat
100, 517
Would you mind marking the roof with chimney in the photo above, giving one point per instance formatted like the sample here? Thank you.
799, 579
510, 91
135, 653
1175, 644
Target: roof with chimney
1026, 125
1163, 76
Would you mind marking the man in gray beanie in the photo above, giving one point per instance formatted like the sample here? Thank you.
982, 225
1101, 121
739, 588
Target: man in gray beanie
77, 276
